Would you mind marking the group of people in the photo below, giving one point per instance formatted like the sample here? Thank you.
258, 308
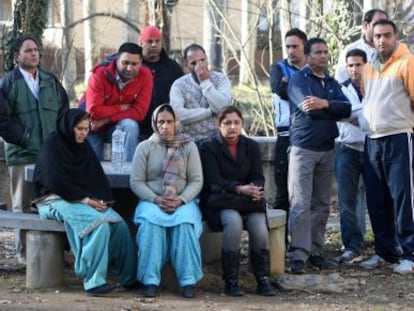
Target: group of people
359, 125
190, 160
186, 166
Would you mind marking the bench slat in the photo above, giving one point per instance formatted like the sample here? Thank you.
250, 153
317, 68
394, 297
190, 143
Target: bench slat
29, 221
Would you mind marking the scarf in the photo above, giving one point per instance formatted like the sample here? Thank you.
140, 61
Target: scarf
67, 168
173, 156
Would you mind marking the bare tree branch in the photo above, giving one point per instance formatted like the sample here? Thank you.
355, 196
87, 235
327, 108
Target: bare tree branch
105, 14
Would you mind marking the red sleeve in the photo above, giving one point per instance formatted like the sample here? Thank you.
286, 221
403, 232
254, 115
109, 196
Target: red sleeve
95, 96
142, 87
104, 99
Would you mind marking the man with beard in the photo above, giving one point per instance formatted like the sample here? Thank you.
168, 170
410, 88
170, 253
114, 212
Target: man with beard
198, 96
164, 69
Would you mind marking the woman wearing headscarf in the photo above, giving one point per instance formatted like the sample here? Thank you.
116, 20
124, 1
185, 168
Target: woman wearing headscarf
233, 198
166, 175
71, 187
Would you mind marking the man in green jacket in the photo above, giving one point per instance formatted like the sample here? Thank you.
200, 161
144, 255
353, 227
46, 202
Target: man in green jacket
30, 102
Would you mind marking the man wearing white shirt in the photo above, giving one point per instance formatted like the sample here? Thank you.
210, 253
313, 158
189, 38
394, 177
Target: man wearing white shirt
349, 163
198, 96
30, 103
365, 43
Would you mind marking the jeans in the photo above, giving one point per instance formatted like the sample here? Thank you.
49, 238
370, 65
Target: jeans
233, 223
349, 164
129, 126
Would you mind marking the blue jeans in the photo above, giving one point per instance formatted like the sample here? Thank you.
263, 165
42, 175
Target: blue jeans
349, 164
129, 126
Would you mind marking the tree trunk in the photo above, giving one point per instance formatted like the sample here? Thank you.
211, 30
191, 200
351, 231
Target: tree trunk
132, 13
285, 22
89, 37
249, 19
68, 50
213, 30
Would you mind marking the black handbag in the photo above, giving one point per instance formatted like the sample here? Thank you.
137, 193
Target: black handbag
241, 203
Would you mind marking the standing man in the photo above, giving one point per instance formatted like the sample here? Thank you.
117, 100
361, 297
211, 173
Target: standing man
280, 73
317, 103
198, 96
388, 120
349, 164
164, 69
31, 100
119, 95
365, 43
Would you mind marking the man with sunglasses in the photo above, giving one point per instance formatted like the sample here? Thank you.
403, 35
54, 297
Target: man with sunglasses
119, 95
198, 96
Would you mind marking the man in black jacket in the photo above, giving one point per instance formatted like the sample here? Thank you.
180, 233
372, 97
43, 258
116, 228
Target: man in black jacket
164, 69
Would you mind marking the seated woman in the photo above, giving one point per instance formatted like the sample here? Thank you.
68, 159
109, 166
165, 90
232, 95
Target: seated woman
232, 197
71, 187
167, 176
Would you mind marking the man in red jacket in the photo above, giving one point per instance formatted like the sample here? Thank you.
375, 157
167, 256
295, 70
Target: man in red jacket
119, 95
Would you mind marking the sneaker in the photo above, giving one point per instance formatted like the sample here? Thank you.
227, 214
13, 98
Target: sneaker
297, 267
349, 257
101, 290
374, 262
405, 267
319, 262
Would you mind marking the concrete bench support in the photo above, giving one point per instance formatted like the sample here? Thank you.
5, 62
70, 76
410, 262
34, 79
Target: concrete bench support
45, 259
211, 242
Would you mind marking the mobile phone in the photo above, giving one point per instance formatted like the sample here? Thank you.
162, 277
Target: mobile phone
110, 203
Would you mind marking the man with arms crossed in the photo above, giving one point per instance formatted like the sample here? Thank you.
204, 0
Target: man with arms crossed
388, 120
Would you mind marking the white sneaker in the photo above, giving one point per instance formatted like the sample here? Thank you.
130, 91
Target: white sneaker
374, 262
405, 267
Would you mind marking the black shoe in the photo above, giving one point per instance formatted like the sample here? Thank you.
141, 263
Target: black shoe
189, 291
232, 288
150, 291
264, 287
101, 290
132, 286
319, 262
297, 267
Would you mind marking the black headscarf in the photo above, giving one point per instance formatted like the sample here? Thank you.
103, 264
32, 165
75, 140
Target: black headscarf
67, 168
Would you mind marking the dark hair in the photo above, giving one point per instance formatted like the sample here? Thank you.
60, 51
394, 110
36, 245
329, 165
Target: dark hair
298, 33
192, 47
357, 52
308, 45
130, 47
369, 15
385, 22
227, 110
20, 40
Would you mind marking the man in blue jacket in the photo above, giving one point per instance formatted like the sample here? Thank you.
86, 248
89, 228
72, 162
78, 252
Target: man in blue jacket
317, 102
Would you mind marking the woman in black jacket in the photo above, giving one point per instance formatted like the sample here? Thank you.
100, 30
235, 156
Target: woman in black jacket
233, 198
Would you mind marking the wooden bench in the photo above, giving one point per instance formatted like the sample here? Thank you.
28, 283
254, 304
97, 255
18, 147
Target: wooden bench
44, 247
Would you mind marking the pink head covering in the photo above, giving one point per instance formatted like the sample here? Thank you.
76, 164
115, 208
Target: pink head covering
150, 32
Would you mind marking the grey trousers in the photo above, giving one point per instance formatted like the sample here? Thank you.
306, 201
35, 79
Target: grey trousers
309, 182
21, 193
233, 223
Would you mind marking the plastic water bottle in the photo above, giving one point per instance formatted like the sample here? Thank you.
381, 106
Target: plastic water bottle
118, 145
